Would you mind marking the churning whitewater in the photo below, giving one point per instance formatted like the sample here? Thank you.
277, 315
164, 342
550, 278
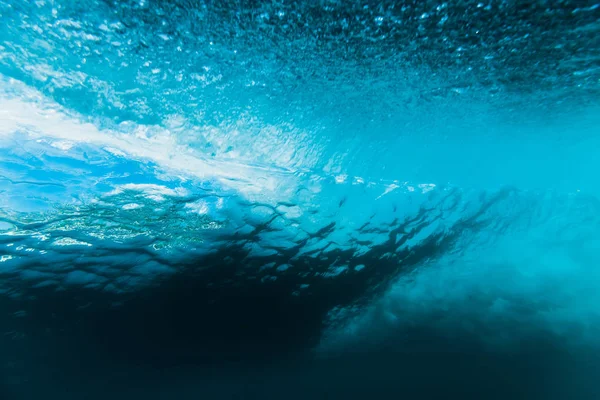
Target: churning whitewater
321, 199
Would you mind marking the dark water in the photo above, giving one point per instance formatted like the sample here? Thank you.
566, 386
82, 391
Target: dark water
326, 199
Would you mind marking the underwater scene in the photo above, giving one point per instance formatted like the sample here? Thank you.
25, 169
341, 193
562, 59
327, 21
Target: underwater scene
321, 199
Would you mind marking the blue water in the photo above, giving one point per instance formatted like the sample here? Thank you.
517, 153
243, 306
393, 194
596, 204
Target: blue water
323, 199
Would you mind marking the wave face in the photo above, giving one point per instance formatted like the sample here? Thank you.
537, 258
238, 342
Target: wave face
243, 199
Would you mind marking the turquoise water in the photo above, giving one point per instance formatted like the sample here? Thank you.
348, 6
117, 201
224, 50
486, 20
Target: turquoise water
199, 197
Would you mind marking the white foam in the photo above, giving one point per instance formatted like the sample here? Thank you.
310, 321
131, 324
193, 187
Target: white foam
200, 207
70, 242
5, 258
132, 206
35, 117
150, 189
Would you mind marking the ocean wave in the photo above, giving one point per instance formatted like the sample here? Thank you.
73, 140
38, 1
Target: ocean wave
186, 182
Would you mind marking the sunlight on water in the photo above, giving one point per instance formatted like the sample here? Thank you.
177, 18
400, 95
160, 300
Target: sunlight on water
319, 177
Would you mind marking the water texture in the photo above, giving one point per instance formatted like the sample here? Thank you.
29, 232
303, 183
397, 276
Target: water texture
321, 199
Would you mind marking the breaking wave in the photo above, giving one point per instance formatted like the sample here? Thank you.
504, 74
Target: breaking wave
318, 186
